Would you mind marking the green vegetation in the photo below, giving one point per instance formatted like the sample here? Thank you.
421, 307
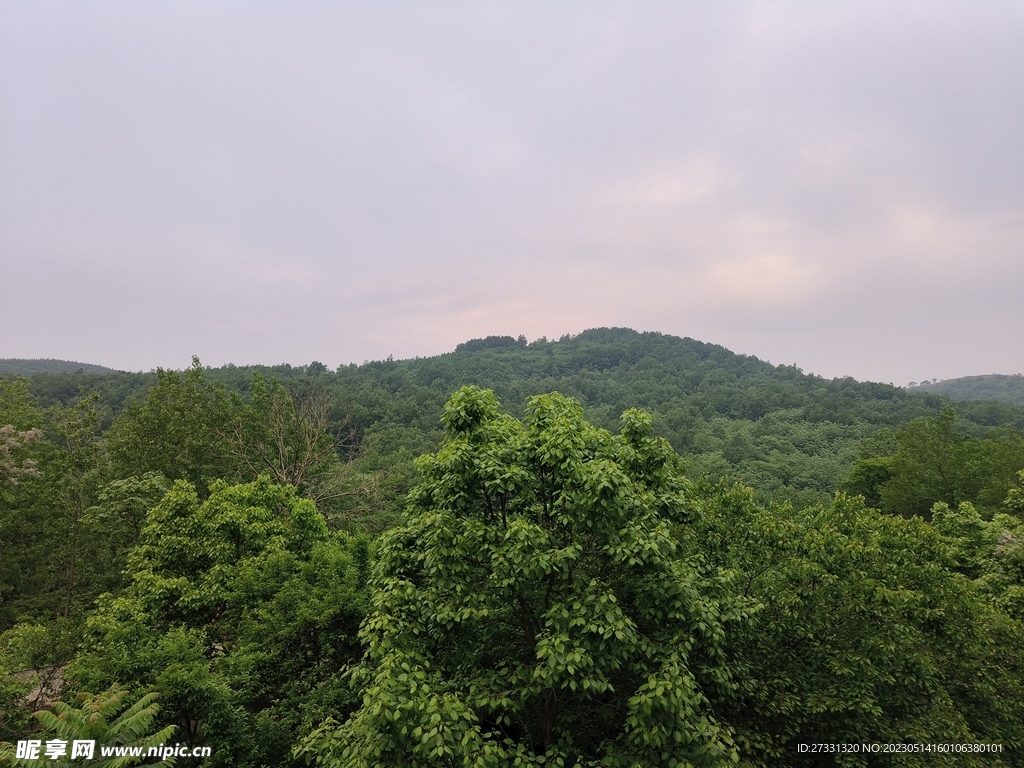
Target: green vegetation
131, 725
534, 607
240, 609
907, 472
789, 435
613, 549
995, 386
29, 367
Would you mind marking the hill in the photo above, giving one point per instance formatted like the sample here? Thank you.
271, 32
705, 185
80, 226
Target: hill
996, 386
790, 435
26, 367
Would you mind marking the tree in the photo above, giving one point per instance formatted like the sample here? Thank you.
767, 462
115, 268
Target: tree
77, 473
177, 431
26, 514
12, 443
534, 608
991, 552
295, 439
242, 609
115, 522
932, 462
69, 468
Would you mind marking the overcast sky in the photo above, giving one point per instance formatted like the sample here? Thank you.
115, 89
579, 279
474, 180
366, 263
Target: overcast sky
833, 184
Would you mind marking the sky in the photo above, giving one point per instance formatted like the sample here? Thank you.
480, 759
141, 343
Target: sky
834, 185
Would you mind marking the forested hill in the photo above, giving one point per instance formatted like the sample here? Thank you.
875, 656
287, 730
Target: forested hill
27, 367
995, 386
790, 435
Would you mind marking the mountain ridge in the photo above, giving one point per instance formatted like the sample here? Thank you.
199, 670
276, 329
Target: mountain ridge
28, 366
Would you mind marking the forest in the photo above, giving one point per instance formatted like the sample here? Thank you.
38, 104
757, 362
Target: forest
610, 549
993, 386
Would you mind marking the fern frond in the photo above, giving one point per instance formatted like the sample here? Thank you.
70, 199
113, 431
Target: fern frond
53, 723
109, 702
132, 725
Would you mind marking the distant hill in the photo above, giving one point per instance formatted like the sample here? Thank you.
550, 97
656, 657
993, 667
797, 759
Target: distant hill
39, 365
792, 436
995, 386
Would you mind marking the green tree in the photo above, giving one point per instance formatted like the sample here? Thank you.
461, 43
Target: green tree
989, 551
242, 609
76, 472
534, 608
114, 523
14, 714
1015, 497
932, 461
25, 530
177, 431
64, 574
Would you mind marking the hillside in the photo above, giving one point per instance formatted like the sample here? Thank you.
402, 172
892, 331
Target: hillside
28, 367
790, 435
995, 386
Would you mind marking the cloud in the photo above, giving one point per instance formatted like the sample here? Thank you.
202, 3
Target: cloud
832, 185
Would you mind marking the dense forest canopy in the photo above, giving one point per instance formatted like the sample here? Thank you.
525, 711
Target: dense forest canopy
27, 367
788, 434
616, 548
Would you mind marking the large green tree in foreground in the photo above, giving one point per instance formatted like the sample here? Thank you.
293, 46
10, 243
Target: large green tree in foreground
240, 609
535, 608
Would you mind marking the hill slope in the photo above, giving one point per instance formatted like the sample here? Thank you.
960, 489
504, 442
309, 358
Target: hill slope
28, 367
1008, 389
790, 435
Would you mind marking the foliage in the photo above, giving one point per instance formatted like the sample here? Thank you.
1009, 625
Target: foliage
534, 609
789, 621
44, 569
991, 552
176, 432
790, 435
1008, 388
20, 533
866, 633
298, 439
114, 523
109, 719
14, 715
932, 461
287, 437
116, 390
25, 367
80, 466
241, 609
13, 443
